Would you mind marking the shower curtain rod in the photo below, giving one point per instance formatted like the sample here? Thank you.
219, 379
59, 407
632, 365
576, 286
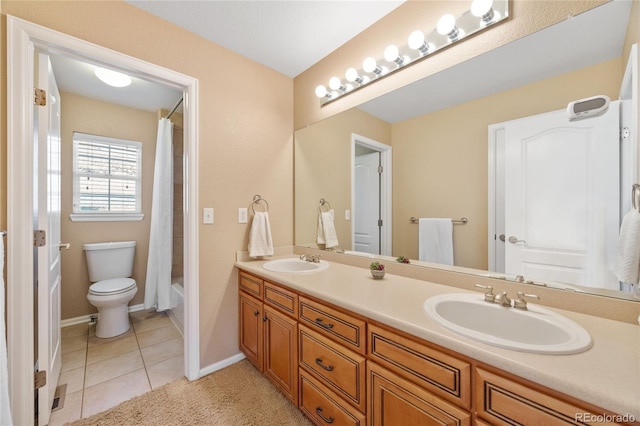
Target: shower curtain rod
175, 108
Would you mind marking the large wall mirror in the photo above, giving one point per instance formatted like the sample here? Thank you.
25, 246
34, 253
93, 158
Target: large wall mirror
431, 141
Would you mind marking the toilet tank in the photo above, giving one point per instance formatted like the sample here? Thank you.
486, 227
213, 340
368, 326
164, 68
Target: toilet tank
110, 260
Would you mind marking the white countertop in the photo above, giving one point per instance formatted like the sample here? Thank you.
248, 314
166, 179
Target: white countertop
607, 375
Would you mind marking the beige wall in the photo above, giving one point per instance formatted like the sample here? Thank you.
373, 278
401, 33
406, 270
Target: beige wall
244, 132
80, 114
323, 170
440, 159
526, 17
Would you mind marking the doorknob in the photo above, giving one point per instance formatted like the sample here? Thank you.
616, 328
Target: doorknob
64, 246
515, 240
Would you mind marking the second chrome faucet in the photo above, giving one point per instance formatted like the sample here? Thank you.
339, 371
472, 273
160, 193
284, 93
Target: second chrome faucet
503, 299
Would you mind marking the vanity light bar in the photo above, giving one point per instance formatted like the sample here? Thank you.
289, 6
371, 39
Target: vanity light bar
482, 14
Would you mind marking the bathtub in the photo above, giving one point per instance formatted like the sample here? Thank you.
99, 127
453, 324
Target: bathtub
176, 313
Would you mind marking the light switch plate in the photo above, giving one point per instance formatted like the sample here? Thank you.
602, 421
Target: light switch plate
207, 215
242, 215
347, 215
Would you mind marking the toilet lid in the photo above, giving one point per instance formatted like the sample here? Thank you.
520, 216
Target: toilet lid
113, 286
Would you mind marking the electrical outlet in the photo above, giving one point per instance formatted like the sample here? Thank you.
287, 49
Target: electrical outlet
243, 215
207, 215
347, 215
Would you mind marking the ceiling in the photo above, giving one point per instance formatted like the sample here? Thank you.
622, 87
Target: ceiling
291, 36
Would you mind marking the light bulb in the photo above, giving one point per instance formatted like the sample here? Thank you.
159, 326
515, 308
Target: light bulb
483, 9
336, 84
321, 91
352, 75
447, 26
369, 65
417, 42
112, 78
391, 53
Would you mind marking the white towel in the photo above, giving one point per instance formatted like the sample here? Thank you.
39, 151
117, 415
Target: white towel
435, 240
260, 243
5, 407
627, 267
327, 230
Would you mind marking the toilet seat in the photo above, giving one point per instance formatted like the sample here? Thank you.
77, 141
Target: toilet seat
112, 286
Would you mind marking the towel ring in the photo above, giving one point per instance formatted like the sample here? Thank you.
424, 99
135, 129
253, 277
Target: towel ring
256, 200
635, 196
322, 203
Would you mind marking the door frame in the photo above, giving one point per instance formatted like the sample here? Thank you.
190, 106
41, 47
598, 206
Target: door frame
22, 36
385, 189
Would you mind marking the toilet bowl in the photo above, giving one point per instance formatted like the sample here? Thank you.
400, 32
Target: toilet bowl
110, 265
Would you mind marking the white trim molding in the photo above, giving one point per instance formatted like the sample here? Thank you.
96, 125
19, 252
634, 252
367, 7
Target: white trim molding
23, 38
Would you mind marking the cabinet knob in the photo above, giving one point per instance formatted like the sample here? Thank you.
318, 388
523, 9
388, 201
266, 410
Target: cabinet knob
256, 313
326, 419
265, 319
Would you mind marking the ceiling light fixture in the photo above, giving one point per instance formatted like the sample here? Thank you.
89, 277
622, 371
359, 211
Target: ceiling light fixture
420, 45
112, 78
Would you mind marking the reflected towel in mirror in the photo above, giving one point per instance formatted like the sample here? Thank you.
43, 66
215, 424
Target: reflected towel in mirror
260, 242
627, 267
435, 240
327, 230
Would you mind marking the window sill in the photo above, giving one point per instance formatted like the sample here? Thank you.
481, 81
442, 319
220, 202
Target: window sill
106, 217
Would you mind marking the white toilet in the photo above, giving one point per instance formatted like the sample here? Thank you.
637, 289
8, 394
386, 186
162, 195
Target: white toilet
110, 266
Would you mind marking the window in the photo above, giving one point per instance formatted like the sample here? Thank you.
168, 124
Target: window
106, 178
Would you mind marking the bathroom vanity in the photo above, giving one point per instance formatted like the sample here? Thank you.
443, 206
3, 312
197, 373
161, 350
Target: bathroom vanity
347, 349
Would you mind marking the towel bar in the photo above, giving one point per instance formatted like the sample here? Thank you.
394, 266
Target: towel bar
635, 196
256, 200
461, 221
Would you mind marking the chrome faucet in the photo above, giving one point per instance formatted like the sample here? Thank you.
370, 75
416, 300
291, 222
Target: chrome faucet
310, 257
488, 296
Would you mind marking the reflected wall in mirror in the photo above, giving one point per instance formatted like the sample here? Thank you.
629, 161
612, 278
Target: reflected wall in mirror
439, 138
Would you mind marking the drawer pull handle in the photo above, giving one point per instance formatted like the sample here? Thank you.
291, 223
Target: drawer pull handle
323, 325
319, 413
326, 367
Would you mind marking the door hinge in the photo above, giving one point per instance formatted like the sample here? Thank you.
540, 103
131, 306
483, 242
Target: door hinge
379, 170
39, 238
39, 379
624, 134
380, 222
39, 97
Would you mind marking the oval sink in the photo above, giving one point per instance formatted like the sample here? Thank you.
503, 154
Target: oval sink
295, 266
536, 330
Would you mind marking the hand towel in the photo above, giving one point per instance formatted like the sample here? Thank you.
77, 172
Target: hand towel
627, 267
260, 243
435, 240
327, 230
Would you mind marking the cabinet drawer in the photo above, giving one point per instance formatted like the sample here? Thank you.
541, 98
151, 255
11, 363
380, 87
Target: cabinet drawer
343, 328
502, 401
324, 406
342, 370
396, 401
439, 373
250, 284
284, 300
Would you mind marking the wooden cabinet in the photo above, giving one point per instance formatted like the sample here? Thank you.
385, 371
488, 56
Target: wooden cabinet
503, 401
267, 335
338, 366
394, 401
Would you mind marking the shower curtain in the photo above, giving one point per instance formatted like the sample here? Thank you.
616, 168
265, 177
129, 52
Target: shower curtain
157, 292
5, 407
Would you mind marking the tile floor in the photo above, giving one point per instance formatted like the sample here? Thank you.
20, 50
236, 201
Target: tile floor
101, 373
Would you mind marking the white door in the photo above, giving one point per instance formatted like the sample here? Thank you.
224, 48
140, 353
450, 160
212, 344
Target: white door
562, 198
367, 203
47, 126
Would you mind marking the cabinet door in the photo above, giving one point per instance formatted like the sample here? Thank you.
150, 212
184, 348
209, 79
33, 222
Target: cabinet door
396, 401
281, 352
251, 329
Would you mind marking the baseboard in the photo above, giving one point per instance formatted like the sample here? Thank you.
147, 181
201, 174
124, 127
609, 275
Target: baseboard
87, 318
222, 364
